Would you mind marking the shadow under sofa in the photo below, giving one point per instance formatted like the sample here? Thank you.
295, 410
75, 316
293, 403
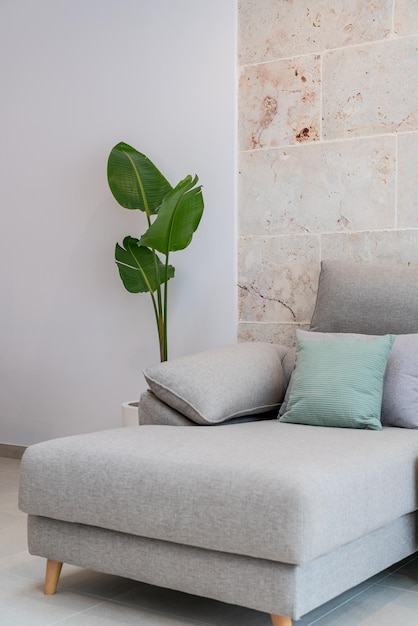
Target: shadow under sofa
279, 517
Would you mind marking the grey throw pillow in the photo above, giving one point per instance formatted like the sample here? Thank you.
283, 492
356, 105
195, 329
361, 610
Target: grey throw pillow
400, 388
213, 386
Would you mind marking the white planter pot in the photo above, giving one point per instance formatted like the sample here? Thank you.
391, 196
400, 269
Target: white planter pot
130, 414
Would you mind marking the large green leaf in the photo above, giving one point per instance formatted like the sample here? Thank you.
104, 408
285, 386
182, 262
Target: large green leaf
134, 180
177, 219
139, 267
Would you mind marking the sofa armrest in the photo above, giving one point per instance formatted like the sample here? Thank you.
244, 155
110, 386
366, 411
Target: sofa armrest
223, 384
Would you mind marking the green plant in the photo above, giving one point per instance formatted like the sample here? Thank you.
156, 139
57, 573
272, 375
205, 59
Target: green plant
173, 215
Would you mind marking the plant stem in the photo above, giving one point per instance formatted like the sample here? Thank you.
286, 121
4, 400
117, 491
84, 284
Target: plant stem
159, 318
165, 300
161, 338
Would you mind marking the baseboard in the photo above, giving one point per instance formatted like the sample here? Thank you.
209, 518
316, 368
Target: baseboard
10, 451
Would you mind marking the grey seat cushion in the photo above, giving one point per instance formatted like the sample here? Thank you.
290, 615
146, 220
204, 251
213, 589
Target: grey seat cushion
283, 492
366, 298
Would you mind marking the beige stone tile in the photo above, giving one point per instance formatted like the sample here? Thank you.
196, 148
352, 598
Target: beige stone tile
336, 186
272, 29
277, 278
370, 89
396, 247
279, 103
406, 17
408, 180
271, 333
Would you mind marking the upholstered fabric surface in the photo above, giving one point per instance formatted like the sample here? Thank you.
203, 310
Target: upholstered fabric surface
366, 298
400, 389
217, 385
152, 410
260, 584
283, 492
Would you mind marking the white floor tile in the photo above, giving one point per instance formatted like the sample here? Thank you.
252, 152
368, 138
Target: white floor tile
377, 606
191, 607
22, 603
404, 578
110, 614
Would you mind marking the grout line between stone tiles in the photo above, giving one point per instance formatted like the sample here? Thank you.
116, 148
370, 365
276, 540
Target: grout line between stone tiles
390, 38
326, 141
329, 232
396, 182
321, 95
407, 132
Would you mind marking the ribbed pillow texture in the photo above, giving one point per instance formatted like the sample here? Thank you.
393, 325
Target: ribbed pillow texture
339, 382
400, 383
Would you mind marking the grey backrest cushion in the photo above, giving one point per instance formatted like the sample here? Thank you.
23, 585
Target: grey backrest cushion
366, 298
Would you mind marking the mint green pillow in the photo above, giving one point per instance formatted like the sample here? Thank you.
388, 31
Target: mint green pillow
339, 382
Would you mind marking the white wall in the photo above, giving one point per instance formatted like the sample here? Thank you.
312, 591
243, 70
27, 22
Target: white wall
76, 78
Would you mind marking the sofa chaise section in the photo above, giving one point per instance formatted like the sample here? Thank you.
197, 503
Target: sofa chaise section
289, 498
279, 517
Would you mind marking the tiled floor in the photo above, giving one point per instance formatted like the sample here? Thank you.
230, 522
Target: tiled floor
86, 598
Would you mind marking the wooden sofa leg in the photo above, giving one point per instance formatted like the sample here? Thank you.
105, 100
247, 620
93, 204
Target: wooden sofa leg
280, 620
53, 571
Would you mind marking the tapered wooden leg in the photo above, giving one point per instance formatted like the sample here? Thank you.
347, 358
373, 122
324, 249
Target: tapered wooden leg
280, 620
53, 571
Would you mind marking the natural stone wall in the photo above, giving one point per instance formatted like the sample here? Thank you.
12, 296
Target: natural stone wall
328, 145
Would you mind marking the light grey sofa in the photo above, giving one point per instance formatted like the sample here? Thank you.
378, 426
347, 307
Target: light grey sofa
276, 516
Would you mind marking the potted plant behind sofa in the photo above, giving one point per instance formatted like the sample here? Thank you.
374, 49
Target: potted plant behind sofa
173, 215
